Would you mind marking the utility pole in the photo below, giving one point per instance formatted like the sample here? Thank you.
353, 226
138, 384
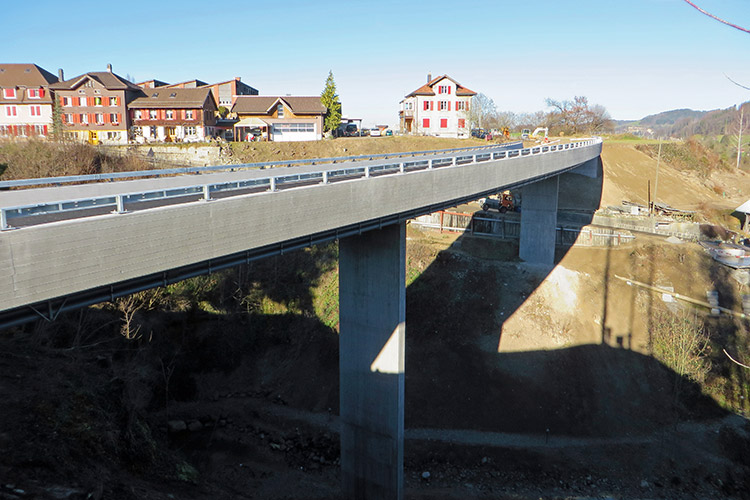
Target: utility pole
656, 181
739, 139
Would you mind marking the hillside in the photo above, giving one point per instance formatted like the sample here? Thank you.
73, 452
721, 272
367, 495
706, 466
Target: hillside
684, 123
521, 382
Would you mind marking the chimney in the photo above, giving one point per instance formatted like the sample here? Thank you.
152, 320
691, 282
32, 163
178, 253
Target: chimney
429, 77
60, 75
237, 78
109, 68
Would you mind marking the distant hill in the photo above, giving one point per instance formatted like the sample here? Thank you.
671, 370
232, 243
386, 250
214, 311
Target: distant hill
686, 122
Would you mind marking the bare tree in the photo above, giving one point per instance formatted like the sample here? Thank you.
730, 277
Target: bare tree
481, 110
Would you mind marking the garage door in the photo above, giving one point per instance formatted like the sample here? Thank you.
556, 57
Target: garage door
285, 132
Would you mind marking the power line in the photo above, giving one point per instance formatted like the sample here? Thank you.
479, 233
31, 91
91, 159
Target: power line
717, 18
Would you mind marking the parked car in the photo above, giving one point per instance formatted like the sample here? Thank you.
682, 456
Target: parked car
346, 130
375, 132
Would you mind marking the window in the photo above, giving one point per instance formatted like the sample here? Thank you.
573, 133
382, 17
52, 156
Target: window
36, 110
9, 93
280, 110
189, 114
190, 130
152, 114
97, 101
461, 123
137, 114
170, 115
443, 123
425, 123
113, 101
114, 118
10, 111
426, 106
84, 118
67, 101
113, 136
99, 119
444, 106
81, 101
89, 84
460, 105
67, 118
34, 93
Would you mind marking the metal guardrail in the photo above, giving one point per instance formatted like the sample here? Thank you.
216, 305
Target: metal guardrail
271, 183
70, 179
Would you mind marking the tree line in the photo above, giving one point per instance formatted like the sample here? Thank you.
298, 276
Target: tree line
567, 117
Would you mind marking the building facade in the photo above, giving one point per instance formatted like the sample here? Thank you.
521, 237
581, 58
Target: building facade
94, 106
280, 119
167, 114
25, 101
438, 108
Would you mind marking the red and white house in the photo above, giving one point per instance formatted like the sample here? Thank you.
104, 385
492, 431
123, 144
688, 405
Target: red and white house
25, 101
438, 108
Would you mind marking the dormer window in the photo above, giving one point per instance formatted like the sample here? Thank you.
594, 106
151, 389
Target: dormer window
173, 95
34, 93
152, 114
280, 111
89, 84
154, 95
9, 93
170, 114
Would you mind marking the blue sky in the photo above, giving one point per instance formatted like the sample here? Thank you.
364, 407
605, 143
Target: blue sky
635, 57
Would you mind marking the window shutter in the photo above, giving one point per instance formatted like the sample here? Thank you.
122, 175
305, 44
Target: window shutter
106, 117
117, 116
432, 106
92, 118
45, 130
449, 105
449, 89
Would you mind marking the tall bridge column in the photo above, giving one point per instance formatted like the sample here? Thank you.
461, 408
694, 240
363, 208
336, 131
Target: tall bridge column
372, 319
539, 221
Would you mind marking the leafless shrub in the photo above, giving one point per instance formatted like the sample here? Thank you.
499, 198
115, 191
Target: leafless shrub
681, 343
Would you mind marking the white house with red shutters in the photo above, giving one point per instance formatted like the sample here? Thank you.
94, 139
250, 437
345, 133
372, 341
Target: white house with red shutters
25, 101
437, 108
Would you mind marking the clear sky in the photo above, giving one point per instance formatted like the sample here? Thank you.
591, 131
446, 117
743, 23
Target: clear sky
635, 57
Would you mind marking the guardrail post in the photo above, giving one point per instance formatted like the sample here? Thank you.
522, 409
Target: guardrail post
401, 167
120, 204
474, 157
367, 172
429, 164
453, 161
3, 220
325, 177
273, 183
206, 192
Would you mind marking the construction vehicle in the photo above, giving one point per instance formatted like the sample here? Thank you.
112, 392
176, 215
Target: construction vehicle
503, 203
539, 130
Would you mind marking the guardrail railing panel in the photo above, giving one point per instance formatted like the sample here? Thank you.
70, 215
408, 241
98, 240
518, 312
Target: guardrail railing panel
272, 183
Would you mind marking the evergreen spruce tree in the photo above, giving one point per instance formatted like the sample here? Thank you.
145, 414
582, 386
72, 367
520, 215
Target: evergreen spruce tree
330, 100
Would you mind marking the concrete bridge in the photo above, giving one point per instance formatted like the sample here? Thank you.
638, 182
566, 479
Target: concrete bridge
68, 246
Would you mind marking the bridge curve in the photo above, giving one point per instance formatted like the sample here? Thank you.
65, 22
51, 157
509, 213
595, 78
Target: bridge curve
102, 252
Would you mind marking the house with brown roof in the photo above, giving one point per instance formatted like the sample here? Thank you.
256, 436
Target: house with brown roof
225, 93
167, 114
94, 106
25, 101
437, 108
280, 119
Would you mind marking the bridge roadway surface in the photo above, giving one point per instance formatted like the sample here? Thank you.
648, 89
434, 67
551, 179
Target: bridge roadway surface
48, 266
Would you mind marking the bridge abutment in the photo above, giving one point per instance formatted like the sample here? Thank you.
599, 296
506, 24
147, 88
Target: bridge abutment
539, 221
372, 318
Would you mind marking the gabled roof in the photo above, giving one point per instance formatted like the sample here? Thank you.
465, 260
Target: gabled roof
428, 88
24, 75
744, 208
109, 81
163, 97
263, 105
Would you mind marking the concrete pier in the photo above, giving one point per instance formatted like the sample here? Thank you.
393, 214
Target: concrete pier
372, 304
538, 222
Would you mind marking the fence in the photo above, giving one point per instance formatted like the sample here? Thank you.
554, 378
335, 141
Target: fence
503, 227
